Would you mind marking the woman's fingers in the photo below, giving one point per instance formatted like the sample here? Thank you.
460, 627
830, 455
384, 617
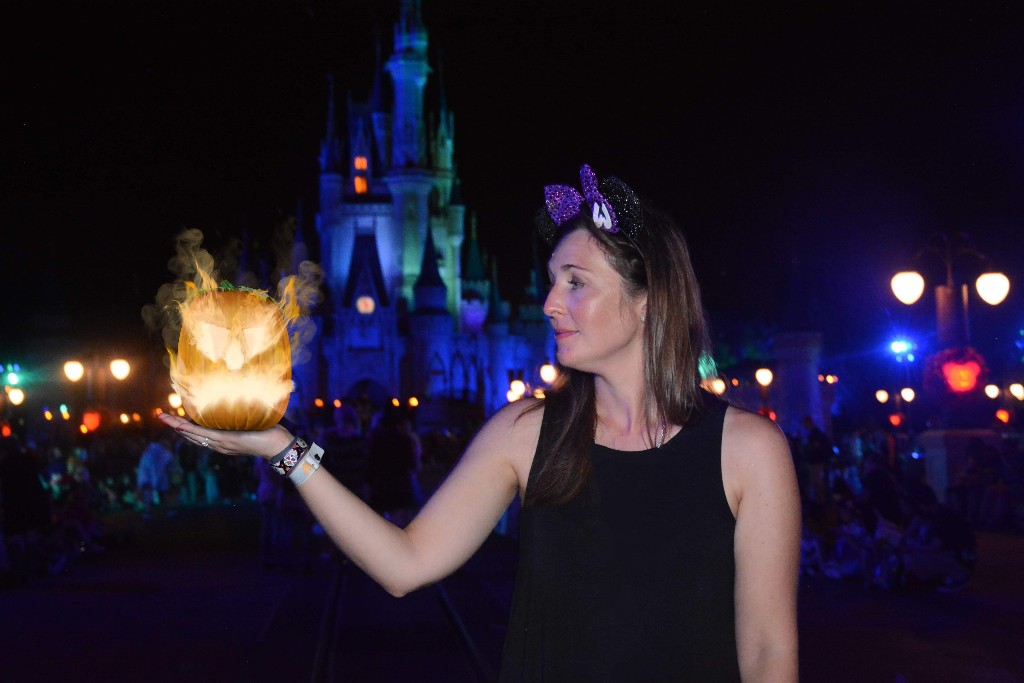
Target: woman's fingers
265, 443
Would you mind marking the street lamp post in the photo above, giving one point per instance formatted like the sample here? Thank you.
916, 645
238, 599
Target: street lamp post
992, 287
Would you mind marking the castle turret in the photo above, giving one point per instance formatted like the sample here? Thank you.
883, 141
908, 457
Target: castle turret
409, 69
430, 293
476, 288
335, 245
431, 328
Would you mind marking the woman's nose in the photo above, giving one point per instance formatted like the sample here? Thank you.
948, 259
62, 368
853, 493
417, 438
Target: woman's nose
551, 305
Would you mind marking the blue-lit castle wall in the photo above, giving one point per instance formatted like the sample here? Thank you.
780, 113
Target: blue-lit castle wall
401, 317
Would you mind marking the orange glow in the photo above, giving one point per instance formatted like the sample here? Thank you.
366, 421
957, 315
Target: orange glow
1003, 415
961, 377
366, 305
233, 365
337, 403
83, 429
91, 420
5, 430
413, 402
395, 402
318, 402
895, 419
47, 415
359, 183
359, 163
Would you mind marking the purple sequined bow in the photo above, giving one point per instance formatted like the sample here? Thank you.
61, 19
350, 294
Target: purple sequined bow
565, 202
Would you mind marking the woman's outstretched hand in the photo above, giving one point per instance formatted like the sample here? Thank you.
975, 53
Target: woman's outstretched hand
265, 444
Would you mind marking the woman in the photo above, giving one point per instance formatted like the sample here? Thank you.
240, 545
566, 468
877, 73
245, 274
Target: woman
660, 527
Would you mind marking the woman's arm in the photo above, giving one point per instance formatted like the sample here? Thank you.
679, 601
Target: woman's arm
447, 531
762, 486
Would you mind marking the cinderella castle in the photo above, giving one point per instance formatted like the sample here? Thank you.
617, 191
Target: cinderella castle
409, 310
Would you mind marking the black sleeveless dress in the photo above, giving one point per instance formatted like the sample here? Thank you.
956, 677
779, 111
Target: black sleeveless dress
633, 580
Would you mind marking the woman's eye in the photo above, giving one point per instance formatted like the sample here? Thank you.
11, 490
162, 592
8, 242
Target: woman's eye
575, 284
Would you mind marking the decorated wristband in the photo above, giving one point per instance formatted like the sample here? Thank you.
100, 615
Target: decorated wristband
285, 461
309, 464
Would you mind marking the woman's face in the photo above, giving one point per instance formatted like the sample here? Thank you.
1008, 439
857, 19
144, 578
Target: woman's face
595, 323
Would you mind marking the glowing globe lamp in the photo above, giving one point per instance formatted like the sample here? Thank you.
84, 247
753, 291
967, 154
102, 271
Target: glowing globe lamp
992, 287
908, 286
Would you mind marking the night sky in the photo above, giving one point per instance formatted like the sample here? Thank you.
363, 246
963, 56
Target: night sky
809, 150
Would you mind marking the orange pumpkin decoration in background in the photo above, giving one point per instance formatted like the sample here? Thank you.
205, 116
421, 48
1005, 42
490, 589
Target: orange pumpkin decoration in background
233, 367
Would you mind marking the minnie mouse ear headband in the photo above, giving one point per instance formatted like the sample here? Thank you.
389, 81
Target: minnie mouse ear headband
612, 205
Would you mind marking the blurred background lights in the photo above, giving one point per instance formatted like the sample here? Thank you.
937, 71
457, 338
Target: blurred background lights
908, 286
548, 373
992, 287
992, 391
120, 368
74, 370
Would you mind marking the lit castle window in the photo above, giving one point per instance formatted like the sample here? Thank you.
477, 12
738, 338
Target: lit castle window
359, 180
366, 305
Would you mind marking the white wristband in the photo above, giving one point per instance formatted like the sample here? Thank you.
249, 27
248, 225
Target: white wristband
309, 464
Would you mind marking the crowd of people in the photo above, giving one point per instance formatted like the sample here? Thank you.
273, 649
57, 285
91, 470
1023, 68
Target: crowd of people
870, 514
64, 497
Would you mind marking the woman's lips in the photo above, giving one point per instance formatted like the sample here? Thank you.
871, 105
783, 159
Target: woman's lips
562, 334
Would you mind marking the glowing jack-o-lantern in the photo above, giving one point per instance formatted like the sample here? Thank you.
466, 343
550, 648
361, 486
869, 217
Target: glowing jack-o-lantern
233, 366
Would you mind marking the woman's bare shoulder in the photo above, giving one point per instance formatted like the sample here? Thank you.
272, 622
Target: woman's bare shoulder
512, 433
516, 424
747, 429
755, 452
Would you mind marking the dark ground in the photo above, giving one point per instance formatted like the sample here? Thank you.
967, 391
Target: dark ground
184, 598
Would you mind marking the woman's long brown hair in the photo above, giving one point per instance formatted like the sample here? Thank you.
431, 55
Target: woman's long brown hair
657, 263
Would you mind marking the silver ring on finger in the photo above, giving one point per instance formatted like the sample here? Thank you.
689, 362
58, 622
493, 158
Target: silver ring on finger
206, 443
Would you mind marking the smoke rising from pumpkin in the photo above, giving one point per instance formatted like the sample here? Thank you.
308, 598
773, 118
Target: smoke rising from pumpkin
297, 290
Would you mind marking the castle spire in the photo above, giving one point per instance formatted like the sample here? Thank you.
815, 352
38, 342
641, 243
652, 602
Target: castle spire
474, 258
409, 69
330, 148
430, 292
497, 309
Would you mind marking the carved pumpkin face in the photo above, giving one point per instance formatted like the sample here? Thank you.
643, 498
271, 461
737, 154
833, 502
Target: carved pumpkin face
233, 367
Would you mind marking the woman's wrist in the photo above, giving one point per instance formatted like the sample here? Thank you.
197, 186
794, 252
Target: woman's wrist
278, 437
298, 461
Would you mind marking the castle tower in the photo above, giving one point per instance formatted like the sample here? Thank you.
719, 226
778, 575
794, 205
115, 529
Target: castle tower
476, 288
408, 179
431, 327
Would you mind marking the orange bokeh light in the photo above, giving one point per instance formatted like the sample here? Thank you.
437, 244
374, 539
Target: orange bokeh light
91, 420
961, 377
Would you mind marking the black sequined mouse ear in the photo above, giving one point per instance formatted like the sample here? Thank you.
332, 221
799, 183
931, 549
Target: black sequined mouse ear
545, 225
627, 206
